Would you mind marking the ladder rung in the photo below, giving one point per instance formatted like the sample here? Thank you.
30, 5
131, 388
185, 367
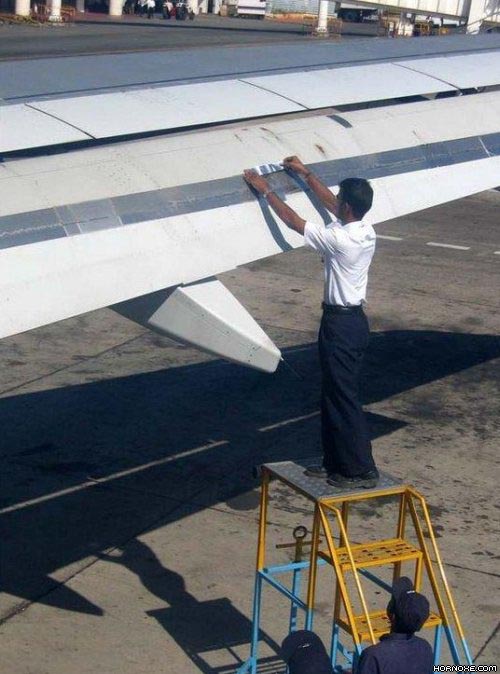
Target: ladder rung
375, 554
380, 624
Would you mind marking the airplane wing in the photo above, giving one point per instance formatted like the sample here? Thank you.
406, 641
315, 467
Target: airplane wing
134, 198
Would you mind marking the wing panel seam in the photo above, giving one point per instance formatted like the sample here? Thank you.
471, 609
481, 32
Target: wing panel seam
275, 93
58, 119
432, 77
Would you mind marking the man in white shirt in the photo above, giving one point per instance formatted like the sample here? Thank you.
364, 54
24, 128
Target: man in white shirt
347, 246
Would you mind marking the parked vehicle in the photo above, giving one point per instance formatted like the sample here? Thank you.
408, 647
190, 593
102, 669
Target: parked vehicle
253, 8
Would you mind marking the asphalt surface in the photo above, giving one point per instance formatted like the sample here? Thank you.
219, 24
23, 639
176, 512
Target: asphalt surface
24, 78
98, 34
128, 504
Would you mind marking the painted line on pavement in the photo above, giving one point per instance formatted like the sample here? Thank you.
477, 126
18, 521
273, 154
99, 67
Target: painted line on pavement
287, 422
93, 482
389, 238
447, 245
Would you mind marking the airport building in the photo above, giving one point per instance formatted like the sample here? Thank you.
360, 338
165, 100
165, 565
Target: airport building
476, 15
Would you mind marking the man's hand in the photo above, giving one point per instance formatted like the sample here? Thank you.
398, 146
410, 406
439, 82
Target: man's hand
294, 164
282, 210
256, 181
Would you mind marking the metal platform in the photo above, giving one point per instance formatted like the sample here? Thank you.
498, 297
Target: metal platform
315, 489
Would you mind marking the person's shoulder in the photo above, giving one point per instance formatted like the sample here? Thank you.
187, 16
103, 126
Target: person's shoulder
369, 660
368, 230
364, 230
336, 229
324, 231
371, 233
423, 652
372, 650
334, 224
423, 644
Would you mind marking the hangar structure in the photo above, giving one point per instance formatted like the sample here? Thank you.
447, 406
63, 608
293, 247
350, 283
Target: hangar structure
120, 191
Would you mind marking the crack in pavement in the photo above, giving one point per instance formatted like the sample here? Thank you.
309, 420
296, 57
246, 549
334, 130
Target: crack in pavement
69, 366
488, 640
467, 568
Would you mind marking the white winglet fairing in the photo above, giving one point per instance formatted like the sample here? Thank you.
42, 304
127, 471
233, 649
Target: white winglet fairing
208, 316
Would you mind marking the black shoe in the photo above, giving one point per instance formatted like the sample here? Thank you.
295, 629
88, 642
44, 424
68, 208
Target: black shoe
366, 481
317, 470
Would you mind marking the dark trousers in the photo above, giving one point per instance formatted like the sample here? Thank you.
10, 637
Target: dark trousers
343, 338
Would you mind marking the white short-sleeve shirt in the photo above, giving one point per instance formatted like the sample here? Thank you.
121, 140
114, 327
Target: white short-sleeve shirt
347, 252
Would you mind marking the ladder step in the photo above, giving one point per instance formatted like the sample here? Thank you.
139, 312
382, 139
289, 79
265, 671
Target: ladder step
375, 554
380, 624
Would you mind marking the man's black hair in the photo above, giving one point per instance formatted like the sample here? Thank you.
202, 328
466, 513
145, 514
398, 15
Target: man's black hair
358, 193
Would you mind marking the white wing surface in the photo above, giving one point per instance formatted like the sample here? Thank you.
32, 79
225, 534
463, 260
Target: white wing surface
132, 222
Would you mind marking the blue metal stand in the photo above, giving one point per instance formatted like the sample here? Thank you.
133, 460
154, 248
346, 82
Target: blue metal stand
270, 576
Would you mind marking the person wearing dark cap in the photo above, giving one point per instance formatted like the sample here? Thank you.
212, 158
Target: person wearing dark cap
304, 653
400, 651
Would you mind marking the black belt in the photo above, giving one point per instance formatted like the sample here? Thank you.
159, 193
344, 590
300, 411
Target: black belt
341, 309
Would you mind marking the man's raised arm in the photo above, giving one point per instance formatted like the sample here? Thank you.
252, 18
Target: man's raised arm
324, 194
282, 210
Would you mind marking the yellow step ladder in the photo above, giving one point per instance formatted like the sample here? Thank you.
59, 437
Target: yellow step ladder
354, 563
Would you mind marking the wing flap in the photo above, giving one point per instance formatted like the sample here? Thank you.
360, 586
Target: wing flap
464, 71
166, 108
23, 128
136, 177
353, 84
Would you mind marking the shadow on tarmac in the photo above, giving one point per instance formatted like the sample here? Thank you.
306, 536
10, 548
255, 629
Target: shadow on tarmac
198, 627
172, 442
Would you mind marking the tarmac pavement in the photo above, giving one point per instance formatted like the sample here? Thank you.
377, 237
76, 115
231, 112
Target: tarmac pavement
128, 505
100, 34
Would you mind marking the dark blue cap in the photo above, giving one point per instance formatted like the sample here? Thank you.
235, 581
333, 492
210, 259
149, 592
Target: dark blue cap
304, 653
409, 608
